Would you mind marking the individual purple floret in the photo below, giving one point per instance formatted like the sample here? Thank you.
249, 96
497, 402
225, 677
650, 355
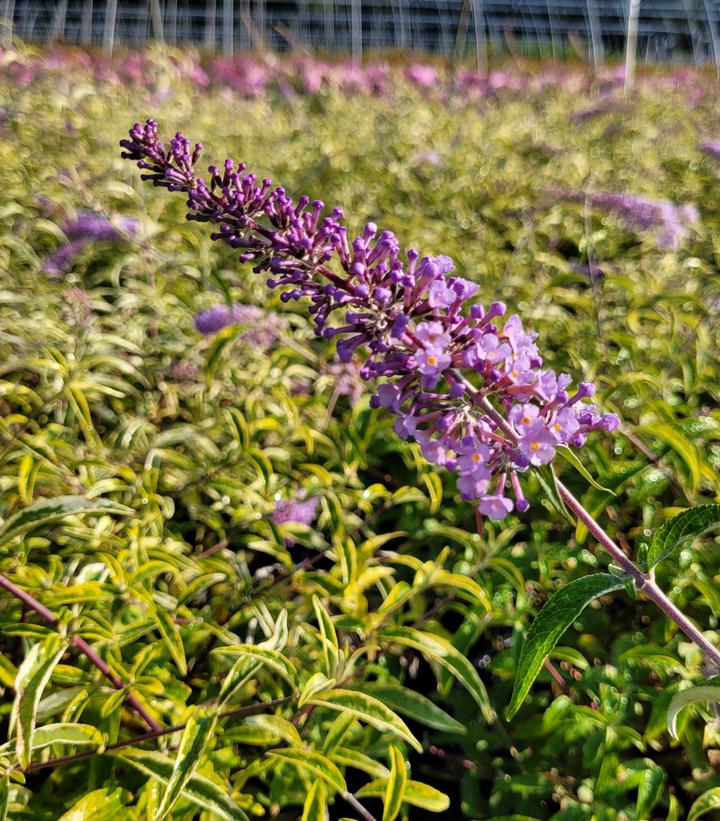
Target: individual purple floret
466, 383
298, 510
85, 228
670, 221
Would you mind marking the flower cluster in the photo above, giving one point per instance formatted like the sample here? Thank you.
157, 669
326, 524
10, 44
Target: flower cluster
464, 381
670, 221
84, 229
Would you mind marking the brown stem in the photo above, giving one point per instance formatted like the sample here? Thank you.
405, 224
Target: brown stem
42, 611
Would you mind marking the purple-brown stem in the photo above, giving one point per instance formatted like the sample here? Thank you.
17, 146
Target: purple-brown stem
644, 582
248, 710
42, 611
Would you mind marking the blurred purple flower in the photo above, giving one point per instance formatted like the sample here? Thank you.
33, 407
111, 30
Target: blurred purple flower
346, 379
670, 221
266, 325
299, 510
88, 226
84, 229
711, 148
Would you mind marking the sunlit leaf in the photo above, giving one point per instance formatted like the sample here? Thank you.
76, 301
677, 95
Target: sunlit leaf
550, 623
368, 709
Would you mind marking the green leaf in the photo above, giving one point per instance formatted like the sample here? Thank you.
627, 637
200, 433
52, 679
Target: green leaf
368, 709
337, 732
113, 702
707, 802
46, 511
170, 633
309, 761
315, 806
548, 481
649, 790
77, 735
199, 730
206, 794
433, 483
686, 525
4, 796
416, 793
100, 805
276, 661
219, 343
550, 623
315, 684
681, 445
692, 695
569, 456
415, 706
443, 653
32, 678
328, 636
395, 790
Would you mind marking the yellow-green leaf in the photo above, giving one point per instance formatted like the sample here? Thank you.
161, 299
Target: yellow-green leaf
315, 807
368, 709
395, 790
311, 762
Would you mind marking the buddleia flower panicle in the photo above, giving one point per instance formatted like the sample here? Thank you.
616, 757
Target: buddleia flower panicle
465, 381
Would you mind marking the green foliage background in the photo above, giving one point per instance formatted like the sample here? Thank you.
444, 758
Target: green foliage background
109, 393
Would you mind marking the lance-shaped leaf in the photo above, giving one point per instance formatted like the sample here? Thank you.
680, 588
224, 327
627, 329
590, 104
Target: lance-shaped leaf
328, 637
46, 511
367, 709
199, 789
686, 525
416, 794
76, 735
395, 790
439, 650
272, 659
32, 678
415, 706
708, 802
550, 623
315, 684
4, 796
693, 695
309, 762
315, 807
198, 731
99, 805
649, 790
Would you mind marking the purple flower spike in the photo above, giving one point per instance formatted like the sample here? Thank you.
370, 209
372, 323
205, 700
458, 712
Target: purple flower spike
465, 383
